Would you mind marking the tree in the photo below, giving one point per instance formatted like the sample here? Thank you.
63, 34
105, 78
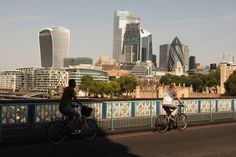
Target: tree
230, 84
111, 88
115, 87
185, 80
127, 84
197, 83
85, 84
165, 80
96, 88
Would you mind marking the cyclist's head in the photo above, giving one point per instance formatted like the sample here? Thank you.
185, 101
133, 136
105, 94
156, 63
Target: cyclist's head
172, 86
72, 83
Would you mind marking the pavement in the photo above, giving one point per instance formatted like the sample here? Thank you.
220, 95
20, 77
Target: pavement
215, 140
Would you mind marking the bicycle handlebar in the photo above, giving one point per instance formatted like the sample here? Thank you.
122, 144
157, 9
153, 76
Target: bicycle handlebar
181, 105
76, 104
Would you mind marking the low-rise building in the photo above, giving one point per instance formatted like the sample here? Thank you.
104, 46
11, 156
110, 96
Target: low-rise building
77, 72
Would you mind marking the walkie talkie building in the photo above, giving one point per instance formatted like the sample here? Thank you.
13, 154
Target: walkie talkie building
54, 46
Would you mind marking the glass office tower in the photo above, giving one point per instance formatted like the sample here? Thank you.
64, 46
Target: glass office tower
176, 54
131, 43
146, 46
171, 54
121, 19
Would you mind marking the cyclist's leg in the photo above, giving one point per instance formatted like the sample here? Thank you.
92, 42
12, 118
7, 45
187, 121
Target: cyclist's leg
171, 109
70, 112
175, 109
76, 121
167, 109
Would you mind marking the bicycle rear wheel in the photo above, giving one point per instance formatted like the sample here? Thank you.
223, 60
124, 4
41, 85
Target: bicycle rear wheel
181, 121
88, 129
161, 123
56, 132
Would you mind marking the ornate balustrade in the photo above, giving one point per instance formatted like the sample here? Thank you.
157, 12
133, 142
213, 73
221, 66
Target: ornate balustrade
112, 113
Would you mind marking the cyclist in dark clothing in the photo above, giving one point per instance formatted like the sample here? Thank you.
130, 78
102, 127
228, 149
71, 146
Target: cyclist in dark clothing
66, 106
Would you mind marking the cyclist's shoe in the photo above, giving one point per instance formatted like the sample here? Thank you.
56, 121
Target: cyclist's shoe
76, 132
172, 117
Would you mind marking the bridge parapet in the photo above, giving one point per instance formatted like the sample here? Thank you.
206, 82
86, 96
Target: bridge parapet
112, 113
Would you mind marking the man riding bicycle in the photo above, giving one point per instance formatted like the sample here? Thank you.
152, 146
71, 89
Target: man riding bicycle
168, 104
66, 107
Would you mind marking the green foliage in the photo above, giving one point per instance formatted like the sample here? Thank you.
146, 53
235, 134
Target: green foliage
85, 84
165, 80
199, 82
230, 84
196, 83
127, 84
98, 88
111, 88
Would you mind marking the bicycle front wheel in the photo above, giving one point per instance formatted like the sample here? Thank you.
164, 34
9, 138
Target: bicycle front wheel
181, 121
88, 128
56, 132
162, 123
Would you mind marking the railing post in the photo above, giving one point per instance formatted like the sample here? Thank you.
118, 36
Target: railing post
31, 114
216, 105
211, 120
233, 108
133, 109
112, 119
150, 113
158, 108
181, 109
0, 123
104, 111
199, 106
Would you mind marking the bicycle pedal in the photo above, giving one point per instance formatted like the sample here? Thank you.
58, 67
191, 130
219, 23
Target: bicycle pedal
76, 132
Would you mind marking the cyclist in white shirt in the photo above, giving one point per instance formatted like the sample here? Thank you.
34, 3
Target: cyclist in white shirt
168, 100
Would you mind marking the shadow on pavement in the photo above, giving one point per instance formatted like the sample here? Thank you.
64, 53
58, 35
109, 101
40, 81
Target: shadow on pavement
73, 146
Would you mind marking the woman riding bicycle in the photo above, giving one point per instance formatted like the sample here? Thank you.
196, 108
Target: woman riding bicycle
66, 107
168, 100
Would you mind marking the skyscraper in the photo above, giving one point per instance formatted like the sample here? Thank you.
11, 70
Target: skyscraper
131, 43
125, 23
164, 55
186, 57
54, 46
192, 62
146, 45
172, 55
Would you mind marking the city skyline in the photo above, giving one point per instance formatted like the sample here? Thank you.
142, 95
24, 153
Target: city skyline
207, 27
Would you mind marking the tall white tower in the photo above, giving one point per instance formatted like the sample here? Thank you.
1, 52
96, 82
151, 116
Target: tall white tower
54, 46
226, 69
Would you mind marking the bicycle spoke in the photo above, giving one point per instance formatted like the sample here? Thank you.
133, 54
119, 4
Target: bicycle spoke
181, 121
88, 129
56, 132
161, 123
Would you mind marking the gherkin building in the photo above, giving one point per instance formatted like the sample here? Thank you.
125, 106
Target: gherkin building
176, 54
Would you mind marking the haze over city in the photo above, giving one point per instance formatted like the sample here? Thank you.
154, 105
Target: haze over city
206, 26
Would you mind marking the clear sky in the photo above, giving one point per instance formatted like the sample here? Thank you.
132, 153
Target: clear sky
208, 27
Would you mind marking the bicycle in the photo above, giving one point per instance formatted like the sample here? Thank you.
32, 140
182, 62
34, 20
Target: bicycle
85, 126
163, 122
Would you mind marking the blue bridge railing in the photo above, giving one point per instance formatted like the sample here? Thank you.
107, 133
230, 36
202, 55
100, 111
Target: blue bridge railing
112, 113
